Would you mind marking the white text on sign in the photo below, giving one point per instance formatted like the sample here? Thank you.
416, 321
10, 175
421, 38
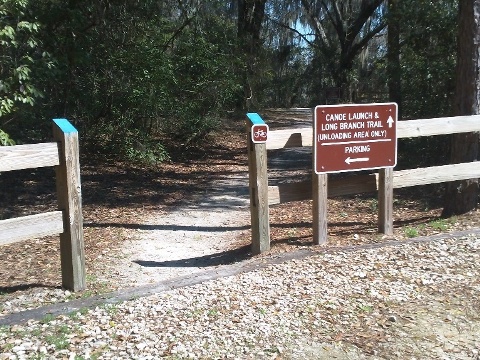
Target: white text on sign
357, 149
352, 116
351, 125
355, 135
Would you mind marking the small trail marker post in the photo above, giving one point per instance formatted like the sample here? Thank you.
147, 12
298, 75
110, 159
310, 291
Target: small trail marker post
349, 138
258, 182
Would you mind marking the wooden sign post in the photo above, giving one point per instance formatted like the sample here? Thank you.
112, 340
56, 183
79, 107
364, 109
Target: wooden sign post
319, 211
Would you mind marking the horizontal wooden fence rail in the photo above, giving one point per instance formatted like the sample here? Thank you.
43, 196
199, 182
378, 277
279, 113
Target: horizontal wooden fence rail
32, 156
354, 184
298, 137
67, 220
27, 227
357, 184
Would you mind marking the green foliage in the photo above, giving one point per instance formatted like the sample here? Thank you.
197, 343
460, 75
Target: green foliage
5, 139
47, 319
204, 80
131, 145
20, 57
139, 76
130, 73
440, 224
428, 57
126, 73
411, 232
60, 341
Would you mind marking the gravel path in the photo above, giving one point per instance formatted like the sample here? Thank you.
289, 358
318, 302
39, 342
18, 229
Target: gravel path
200, 235
415, 301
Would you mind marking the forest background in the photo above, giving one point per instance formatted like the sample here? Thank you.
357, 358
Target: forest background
141, 79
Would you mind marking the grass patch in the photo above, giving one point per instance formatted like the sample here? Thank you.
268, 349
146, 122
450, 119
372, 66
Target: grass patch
7, 347
365, 308
76, 314
60, 341
59, 337
111, 309
410, 232
47, 318
440, 224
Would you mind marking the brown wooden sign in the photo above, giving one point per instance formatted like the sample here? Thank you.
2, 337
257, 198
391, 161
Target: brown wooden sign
354, 137
259, 133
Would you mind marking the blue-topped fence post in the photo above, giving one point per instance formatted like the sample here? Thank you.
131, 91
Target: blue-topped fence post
69, 192
258, 180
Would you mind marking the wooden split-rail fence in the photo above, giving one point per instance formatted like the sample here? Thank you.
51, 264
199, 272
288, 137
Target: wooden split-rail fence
67, 220
262, 195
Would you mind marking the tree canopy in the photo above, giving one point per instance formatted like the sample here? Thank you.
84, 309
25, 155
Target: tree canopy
129, 73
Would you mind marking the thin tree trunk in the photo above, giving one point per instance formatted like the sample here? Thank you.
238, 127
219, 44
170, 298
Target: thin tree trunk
393, 55
462, 196
250, 18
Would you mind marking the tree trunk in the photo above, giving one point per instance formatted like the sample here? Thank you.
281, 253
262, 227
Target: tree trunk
462, 196
393, 55
250, 18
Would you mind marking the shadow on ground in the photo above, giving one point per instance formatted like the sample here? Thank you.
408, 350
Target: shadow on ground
221, 258
172, 227
23, 287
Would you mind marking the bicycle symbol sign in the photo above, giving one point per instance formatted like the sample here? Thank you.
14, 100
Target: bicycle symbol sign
259, 133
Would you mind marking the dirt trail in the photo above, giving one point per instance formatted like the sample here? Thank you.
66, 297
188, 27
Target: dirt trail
201, 234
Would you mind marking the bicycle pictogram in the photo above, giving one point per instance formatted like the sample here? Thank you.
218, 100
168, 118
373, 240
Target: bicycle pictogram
260, 134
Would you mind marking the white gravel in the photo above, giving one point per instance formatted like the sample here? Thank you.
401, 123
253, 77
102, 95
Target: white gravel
411, 301
187, 240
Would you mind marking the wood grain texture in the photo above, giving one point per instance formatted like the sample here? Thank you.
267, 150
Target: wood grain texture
258, 187
288, 138
436, 174
385, 201
319, 208
30, 156
438, 126
69, 192
29, 227
369, 183
283, 193
355, 184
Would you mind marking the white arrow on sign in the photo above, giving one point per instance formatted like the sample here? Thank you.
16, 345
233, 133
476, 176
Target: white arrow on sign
348, 160
390, 121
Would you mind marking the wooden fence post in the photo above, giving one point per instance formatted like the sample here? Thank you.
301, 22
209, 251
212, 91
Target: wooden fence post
258, 187
69, 192
385, 201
